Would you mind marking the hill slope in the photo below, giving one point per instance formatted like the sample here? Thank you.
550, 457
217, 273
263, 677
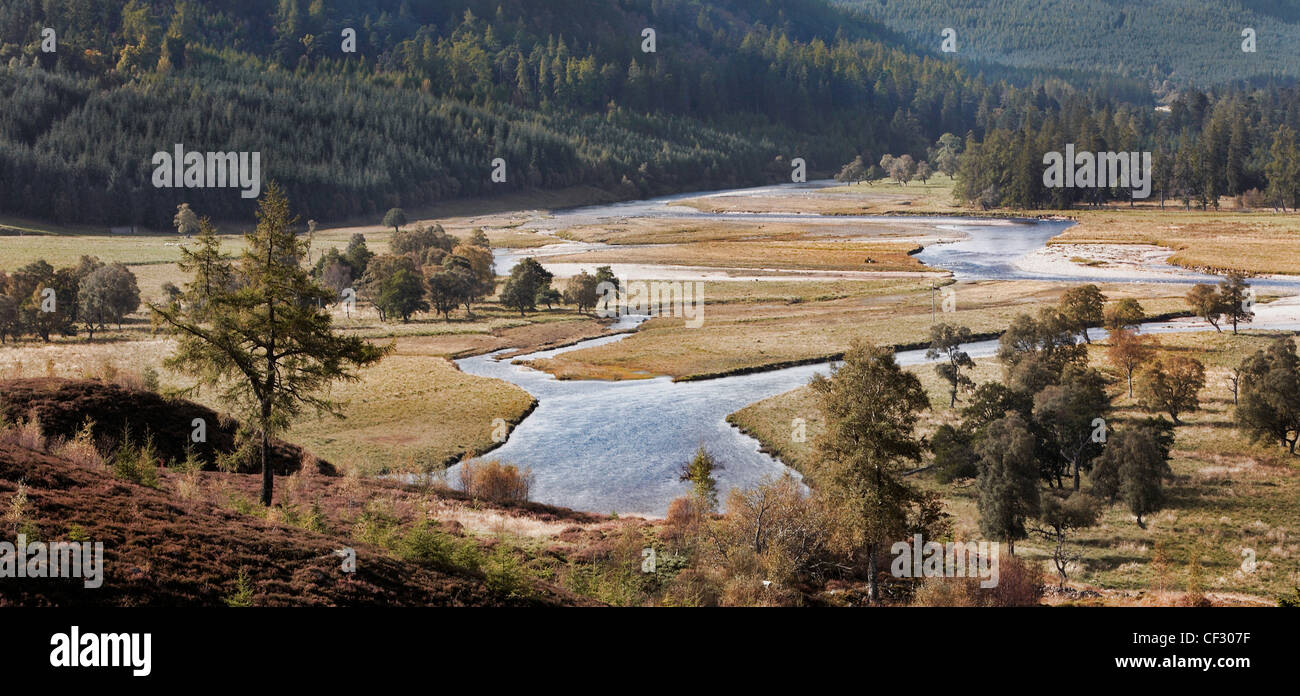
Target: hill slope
1188, 41
564, 93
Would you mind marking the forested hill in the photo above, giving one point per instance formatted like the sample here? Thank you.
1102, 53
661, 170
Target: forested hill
435, 91
1186, 41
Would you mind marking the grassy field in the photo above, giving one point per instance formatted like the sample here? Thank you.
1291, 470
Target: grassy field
795, 255
772, 330
412, 413
881, 197
1229, 493
1252, 242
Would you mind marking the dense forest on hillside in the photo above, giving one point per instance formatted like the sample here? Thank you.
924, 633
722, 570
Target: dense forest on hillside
1237, 142
1186, 41
436, 91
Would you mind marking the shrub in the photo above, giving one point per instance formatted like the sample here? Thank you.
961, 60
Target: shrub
504, 575
81, 448
1020, 584
137, 464
28, 434
17, 505
500, 483
242, 596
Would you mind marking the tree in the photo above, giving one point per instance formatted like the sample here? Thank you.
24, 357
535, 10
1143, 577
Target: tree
581, 291
871, 407
1269, 406
1081, 307
1236, 299
1171, 385
210, 273
394, 218
107, 294
1207, 303
549, 296
8, 317
946, 342
902, 169
358, 255
923, 171
1008, 480
954, 451
186, 221
1283, 169
1133, 468
527, 279
1125, 314
1034, 351
1058, 518
402, 294
1130, 350
447, 289
266, 346
480, 269
1069, 413
337, 276
417, 241
945, 153
605, 275
699, 472
852, 172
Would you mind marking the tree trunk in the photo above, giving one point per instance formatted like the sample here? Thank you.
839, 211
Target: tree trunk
873, 588
268, 475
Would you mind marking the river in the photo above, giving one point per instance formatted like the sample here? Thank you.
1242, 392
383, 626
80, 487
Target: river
617, 446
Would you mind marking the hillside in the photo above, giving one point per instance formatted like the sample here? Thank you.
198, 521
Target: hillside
564, 93
1186, 41
191, 538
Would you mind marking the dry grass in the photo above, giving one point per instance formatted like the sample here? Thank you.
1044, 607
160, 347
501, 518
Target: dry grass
765, 331
412, 414
1255, 242
764, 254
880, 197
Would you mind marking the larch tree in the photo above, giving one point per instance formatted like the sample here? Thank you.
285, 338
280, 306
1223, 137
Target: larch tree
265, 345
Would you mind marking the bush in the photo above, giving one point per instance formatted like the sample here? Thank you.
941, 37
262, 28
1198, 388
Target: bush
500, 483
505, 576
137, 464
428, 545
81, 449
1020, 584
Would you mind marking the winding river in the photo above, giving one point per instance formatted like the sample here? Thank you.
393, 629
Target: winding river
617, 446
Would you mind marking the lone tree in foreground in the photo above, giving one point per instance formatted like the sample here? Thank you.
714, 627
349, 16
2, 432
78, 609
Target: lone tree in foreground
265, 345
